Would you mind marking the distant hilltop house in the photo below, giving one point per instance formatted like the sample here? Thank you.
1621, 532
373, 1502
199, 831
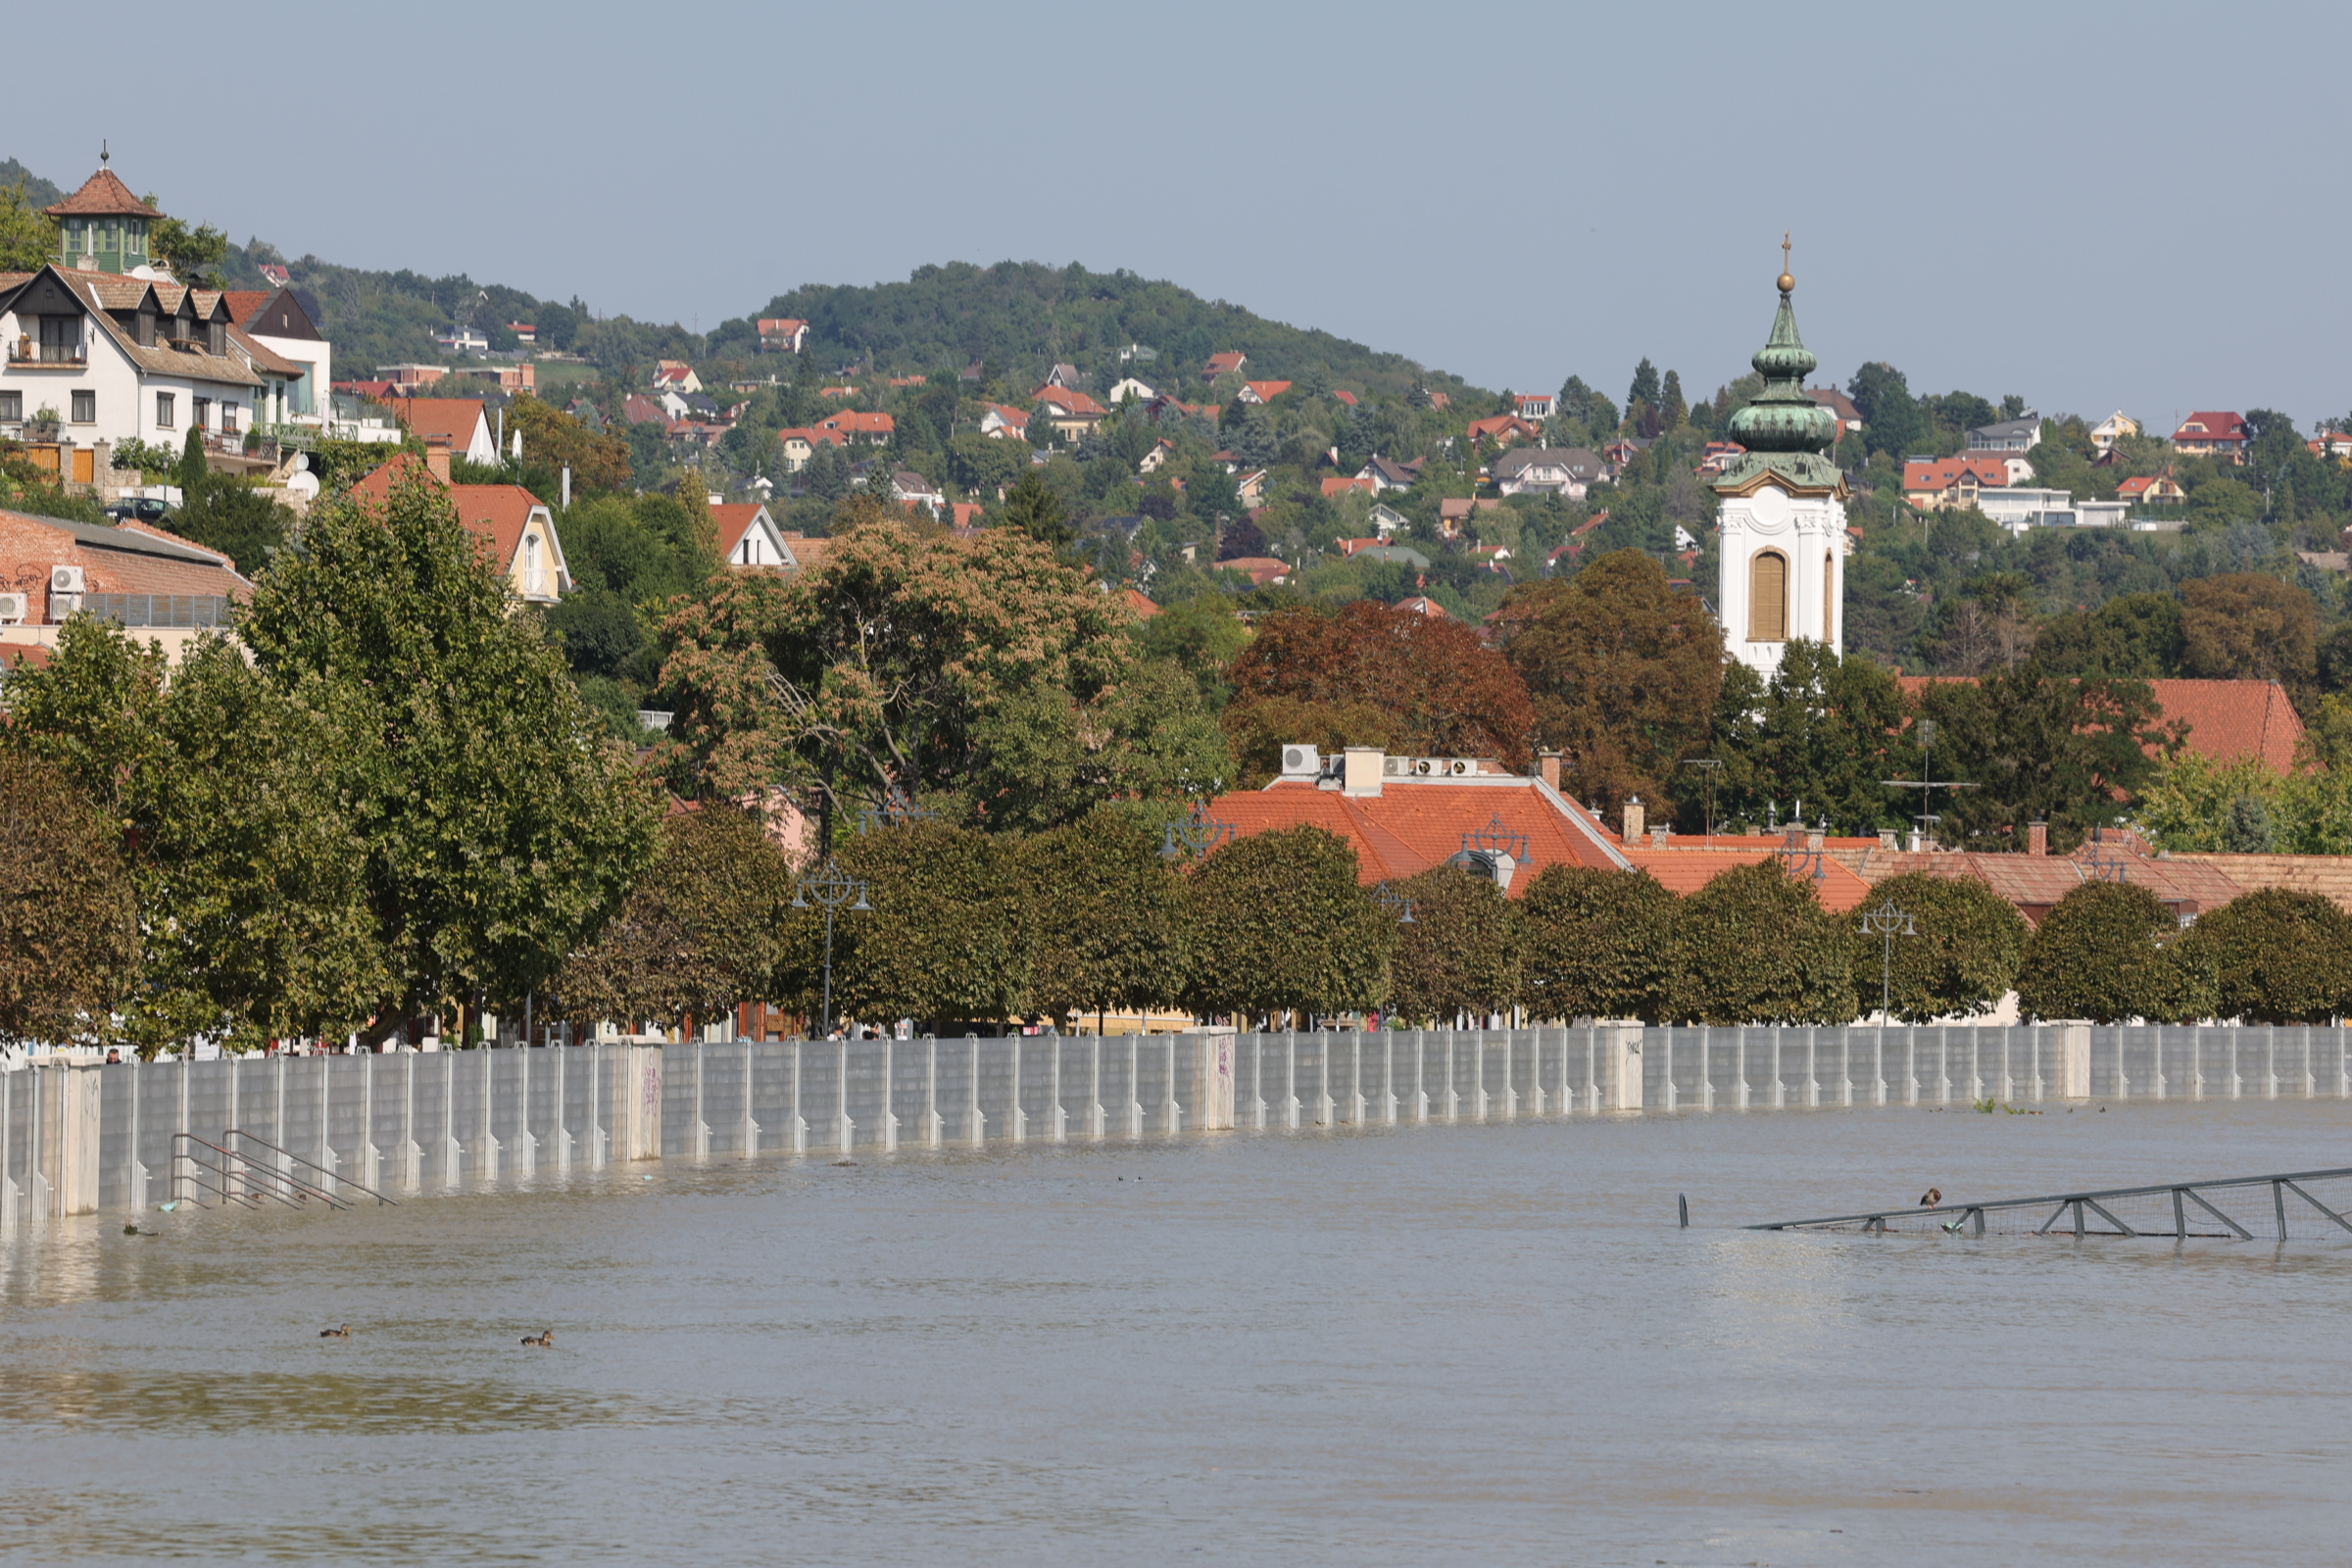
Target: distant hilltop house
1261, 391
1001, 421
676, 375
1719, 457
2153, 490
783, 333
1063, 375
1569, 471
1505, 431
2213, 435
798, 445
1071, 414
1932, 484
2330, 444
1227, 363
2022, 434
462, 338
749, 537
2117, 426
858, 426
515, 528
525, 332
1386, 473
1538, 405
1128, 388
461, 425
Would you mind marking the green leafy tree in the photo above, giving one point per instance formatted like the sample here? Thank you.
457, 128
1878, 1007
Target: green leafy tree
1824, 731
1598, 944
2249, 626
233, 518
980, 674
981, 463
1461, 953
2277, 956
944, 942
2040, 747
68, 914
498, 829
1279, 922
1644, 390
1104, 915
1755, 946
2131, 637
1891, 420
195, 255
702, 930
1199, 635
1962, 960
2110, 952
28, 239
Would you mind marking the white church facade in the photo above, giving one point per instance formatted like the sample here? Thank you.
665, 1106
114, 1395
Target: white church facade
1781, 510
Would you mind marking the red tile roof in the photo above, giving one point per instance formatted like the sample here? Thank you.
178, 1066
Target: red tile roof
1346, 397
452, 419
1069, 402
102, 195
1224, 364
1340, 487
2203, 425
494, 513
850, 421
1989, 469
829, 436
1409, 827
1681, 871
1268, 391
1503, 425
1141, 604
734, 520
2035, 882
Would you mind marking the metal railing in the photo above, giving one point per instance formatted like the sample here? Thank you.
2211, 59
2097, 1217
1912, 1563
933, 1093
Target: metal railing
2162, 1209
246, 1181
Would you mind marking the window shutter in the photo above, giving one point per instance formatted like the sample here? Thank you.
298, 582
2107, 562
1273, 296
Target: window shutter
1768, 597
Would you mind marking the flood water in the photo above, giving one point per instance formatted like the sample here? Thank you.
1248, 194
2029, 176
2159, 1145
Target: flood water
1480, 1345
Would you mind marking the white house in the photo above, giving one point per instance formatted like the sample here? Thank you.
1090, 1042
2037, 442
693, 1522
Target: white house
1569, 471
2113, 428
119, 357
749, 536
2018, 507
2010, 435
279, 322
1128, 387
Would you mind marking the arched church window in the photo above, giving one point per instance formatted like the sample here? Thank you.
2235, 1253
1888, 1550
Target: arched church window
1768, 597
1828, 599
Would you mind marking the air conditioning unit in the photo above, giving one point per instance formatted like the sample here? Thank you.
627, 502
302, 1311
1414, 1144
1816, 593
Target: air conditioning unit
64, 579
12, 608
1460, 766
1301, 762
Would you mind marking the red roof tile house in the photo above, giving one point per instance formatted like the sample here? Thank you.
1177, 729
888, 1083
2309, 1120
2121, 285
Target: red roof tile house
458, 423
1228, 364
858, 426
1261, 391
515, 527
1932, 485
749, 537
799, 444
2213, 435
783, 332
2153, 490
1071, 414
1505, 430
166, 588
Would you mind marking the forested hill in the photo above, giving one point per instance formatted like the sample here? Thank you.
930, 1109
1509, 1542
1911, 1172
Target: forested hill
1020, 316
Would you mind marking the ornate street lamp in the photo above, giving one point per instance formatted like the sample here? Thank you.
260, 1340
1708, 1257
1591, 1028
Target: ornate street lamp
1193, 836
829, 888
1396, 902
1887, 922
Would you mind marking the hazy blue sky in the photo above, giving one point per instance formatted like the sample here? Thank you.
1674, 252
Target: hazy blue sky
2092, 205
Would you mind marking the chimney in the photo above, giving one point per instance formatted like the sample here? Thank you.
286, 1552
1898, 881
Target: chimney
1549, 763
436, 458
1887, 838
1360, 770
1813, 838
1659, 837
1633, 816
2037, 838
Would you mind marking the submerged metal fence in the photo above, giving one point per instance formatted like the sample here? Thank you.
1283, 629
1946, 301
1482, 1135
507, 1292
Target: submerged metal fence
75, 1138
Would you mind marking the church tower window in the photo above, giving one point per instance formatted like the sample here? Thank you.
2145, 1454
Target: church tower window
1768, 597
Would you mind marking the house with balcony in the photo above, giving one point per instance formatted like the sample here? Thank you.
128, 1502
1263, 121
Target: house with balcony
2021, 435
2213, 434
1932, 484
1569, 471
285, 326
2117, 426
783, 335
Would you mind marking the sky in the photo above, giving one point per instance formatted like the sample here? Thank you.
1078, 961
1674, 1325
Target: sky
2092, 207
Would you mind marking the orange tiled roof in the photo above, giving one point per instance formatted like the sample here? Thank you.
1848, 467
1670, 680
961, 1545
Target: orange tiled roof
2035, 882
734, 520
1681, 871
102, 195
1409, 827
452, 419
494, 513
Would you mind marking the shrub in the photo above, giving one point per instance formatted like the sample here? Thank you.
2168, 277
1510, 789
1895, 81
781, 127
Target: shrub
1460, 954
1962, 960
1105, 916
942, 941
1598, 944
2109, 952
1754, 946
2277, 956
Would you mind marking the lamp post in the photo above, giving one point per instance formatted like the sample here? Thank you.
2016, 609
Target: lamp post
829, 888
1196, 834
1396, 902
1885, 922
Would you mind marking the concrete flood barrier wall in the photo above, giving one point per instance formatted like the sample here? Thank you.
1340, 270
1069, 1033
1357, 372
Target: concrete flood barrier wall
77, 1138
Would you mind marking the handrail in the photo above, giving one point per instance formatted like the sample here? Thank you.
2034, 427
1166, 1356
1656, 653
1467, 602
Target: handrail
239, 1132
2060, 1203
250, 1199
248, 1167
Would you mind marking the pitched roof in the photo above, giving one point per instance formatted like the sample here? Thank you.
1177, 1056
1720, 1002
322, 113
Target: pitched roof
807, 550
2210, 425
1341, 486
1681, 870
734, 520
1989, 469
453, 419
1581, 463
1260, 570
1503, 425
101, 294
1221, 363
1141, 603
102, 195
1409, 827
830, 438
1346, 397
2329, 875
1267, 391
1072, 403
1837, 402
494, 513
640, 410
2035, 882
135, 559
850, 421
1423, 605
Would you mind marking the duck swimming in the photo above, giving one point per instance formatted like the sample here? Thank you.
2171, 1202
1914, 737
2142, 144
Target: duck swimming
545, 1339
340, 1332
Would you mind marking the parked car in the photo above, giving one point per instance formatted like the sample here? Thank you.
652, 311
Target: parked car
143, 510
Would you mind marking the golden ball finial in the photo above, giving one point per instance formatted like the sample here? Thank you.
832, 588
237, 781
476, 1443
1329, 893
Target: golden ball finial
1786, 282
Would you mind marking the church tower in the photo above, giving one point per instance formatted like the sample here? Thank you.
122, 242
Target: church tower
1782, 509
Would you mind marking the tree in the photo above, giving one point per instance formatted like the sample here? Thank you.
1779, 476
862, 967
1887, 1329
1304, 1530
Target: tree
1598, 944
194, 255
1032, 508
2277, 956
1891, 422
699, 933
1257, 730
1279, 922
1105, 917
983, 464
1625, 671
2040, 747
981, 676
552, 440
28, 239
1201, 636
68, 917
1448, 693
232, 516
1961, 960
2249, 626
1755, 946
1823, 734
944, 942
2109, 952
1674, 411
2132, 636
1241, 539
1461, 953
498, 827
1644, 390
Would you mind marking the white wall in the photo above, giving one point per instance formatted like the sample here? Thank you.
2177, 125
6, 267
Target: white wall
1810, 531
